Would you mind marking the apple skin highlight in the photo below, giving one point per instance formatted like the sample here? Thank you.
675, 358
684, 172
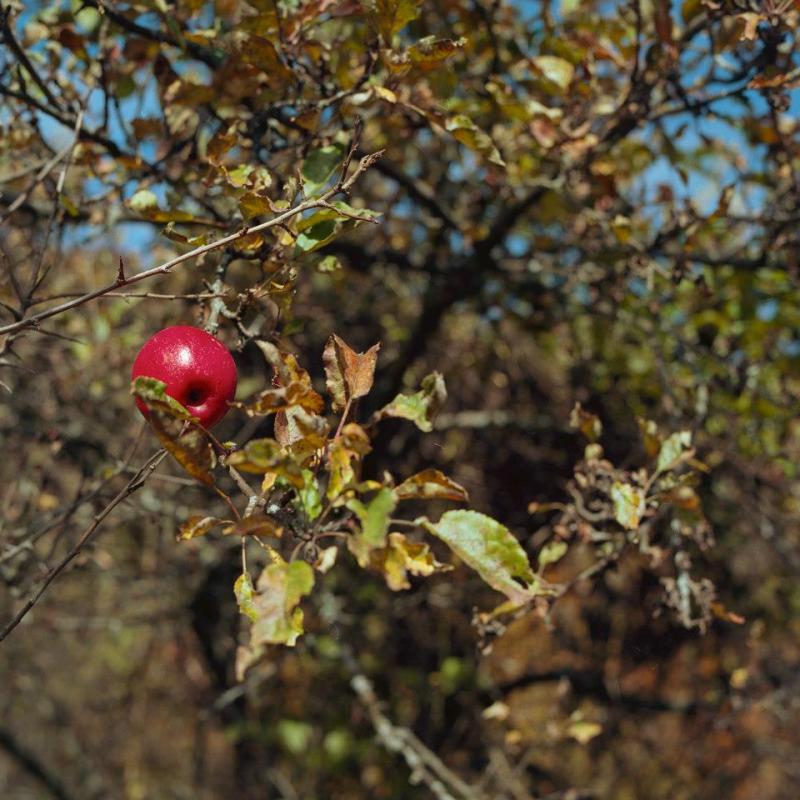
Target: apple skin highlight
198, 370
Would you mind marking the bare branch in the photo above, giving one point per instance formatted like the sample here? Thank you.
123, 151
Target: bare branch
135, 483
167, 266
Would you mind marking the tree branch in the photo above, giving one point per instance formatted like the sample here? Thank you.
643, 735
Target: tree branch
135, 483
167, 266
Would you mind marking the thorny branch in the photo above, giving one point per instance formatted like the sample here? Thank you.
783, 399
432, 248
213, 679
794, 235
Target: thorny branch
133, 485
342, 186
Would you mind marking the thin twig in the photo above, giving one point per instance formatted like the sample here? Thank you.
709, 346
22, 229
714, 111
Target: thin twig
423, 762
135, 483
167, 266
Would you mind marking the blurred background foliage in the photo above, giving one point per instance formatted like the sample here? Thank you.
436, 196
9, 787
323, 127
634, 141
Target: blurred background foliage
581, 202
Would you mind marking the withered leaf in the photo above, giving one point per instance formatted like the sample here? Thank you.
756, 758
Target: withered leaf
431, 484
348, 375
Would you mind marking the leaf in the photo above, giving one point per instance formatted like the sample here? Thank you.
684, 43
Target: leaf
430, 484
629, 504
557, 70
255, 525
322, 227
403, 558
391, 16
552, 552
261, 53
421, 407
309, 496
374, 518
490, 549
348, 375
587, 423
197, 525
326, 559
176, 429
351, 445
254, 205
320, 165
243, 589
583, 731
292, 386
428, 53
266, 455
273, 607
675, 448
469, 134
142, 201
301, 433
220, 143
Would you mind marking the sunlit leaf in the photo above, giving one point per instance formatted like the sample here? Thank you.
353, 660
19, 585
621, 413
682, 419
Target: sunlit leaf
176, 429
273, 607
402, 558
374, 518
429, 52
490, 549
557, 70
309, 495
319, 166
348, 375
255, 525
469, 134
675, 448
244, 591
391, 16
260, 456
629, 504
421, 407
430, 484
551, 553
197, 525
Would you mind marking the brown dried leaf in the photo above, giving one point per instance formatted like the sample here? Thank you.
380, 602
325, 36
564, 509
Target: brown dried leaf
431, 484
348, 375
255, 525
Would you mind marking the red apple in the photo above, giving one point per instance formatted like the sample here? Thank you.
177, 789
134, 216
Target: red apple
198, 370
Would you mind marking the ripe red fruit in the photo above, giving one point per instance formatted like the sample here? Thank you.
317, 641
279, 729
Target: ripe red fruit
198, 370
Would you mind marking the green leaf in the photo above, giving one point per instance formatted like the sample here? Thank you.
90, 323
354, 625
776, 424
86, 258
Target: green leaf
322, 227
329, 264
490, 549
320, 165
374, 518
675, 449
309, 495
421, 407
629, 504
552, 552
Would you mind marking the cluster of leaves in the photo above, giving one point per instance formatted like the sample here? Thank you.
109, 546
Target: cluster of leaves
311, 490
